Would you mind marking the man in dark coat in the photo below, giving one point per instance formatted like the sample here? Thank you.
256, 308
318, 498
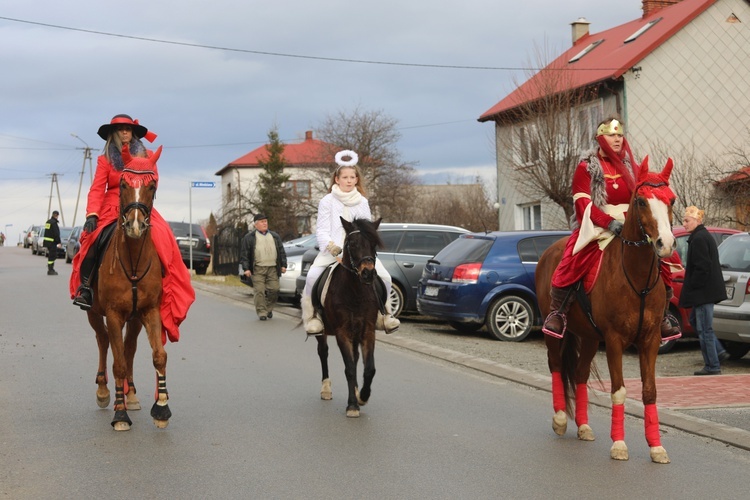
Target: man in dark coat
703, 287
263, 258
52, 242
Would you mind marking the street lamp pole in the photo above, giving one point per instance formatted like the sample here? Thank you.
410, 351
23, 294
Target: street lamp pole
86, 156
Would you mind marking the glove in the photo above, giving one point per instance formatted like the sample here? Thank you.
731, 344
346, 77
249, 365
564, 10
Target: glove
90, 225
615, 226
333, 249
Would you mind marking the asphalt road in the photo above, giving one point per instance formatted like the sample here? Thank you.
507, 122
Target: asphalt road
248, 421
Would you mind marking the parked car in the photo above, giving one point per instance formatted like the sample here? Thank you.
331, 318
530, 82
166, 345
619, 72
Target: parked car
31, 233
73, 244
201, 247
732, 316
407, 248
39, 249
288, 281
681, 235
37, 243
487, 280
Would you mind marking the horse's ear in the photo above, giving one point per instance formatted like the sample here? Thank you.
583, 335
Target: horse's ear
155, 157
667, 170
644, 168
377, 223
348, 226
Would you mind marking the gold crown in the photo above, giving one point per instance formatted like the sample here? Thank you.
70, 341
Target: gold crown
611, 128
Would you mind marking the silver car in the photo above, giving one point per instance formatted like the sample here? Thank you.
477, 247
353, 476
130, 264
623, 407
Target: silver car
732, 316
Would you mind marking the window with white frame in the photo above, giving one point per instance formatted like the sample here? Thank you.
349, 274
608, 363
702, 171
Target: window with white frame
589, 116
528, 144
300, 188
531, 216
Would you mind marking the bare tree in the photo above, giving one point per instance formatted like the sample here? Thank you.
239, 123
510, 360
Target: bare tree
546, 135
732, 182
463, 205
374, 137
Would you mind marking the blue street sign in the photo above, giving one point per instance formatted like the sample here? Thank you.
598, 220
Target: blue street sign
203, 184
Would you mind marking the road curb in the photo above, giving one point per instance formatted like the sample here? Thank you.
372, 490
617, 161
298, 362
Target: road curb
739, 438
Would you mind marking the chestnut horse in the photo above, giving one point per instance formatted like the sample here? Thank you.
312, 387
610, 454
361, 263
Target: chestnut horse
350, 310
128, 291
627, 307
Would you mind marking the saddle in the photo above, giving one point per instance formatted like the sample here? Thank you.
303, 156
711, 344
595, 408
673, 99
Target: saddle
320, 289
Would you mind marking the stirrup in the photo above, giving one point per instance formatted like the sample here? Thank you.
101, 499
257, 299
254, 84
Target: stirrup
564, 327
80, 299
314, 327
674, 323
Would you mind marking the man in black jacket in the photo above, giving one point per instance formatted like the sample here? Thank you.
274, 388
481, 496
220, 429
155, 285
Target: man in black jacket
52, 242
703, 287
263, 258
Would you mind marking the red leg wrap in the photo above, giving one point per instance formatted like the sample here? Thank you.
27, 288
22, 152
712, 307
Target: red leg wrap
582, 404
651, 423
618, 423
558, 392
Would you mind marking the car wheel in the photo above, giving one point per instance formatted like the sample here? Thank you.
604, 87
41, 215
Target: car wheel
736, 349
33, 252
68, 260
465, 327
396, 300
201, 270
510, 318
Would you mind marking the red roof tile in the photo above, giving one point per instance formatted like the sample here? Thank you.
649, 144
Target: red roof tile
612, 57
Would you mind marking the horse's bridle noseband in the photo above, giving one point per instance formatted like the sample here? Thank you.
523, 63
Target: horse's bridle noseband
355, 265
137, 205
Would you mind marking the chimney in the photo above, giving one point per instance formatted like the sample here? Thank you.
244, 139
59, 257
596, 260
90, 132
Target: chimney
580, 28
308, 135
649, 6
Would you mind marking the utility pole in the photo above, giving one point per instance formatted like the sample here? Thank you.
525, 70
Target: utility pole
59, 199
86, 156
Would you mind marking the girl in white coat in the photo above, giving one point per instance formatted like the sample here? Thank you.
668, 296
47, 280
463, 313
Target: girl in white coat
346, 200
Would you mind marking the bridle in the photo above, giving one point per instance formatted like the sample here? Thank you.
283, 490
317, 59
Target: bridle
132, 275
354, 266
646, 240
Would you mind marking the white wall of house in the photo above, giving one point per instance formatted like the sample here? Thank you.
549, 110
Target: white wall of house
693, 91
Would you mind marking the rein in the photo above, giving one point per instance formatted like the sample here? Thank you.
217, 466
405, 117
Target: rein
131, 275
654, 265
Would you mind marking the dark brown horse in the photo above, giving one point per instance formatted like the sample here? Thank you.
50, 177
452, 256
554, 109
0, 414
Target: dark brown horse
128, 291
350, 309
627, 306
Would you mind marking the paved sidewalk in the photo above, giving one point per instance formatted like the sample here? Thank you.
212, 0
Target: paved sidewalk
717, 407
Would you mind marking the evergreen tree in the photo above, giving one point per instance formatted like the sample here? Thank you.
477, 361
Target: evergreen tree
272, 187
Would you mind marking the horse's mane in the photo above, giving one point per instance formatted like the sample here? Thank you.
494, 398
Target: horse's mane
369, 230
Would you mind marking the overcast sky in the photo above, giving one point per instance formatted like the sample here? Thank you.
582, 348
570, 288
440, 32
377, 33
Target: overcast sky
204, 77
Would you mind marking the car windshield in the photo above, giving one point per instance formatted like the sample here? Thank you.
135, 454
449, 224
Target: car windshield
734, 253
182, 229
65, 232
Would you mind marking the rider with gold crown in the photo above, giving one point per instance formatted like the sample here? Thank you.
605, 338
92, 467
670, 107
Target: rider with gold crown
603, 184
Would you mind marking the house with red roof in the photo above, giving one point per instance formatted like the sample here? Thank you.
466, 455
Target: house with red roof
304, 162
678, 76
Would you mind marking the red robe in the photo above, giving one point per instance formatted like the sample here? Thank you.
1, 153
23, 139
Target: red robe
177, 290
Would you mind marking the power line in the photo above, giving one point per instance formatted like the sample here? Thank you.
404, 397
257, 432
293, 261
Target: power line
282, 54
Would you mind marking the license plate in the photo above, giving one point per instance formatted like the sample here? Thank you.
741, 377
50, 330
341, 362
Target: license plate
431, 291
730, 292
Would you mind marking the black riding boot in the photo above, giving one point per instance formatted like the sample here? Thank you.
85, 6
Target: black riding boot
668, 331
84, 296
556, 321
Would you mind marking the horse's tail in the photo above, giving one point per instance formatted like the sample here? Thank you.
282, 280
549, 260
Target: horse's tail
570, 354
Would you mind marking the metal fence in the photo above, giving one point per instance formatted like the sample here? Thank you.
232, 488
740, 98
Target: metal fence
226, 246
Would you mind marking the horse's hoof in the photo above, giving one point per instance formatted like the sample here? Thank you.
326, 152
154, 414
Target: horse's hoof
121, 426
360, 401
352, 413
585, 433
133, 404
619, 451
560, 423
325, 391
659, 455
161, 413
161, 424
103, 401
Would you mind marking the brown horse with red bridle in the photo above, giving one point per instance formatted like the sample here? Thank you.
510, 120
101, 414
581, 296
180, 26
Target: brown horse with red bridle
128, 291
626, 307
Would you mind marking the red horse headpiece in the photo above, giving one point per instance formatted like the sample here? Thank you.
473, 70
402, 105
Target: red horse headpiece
139, 171
656, 185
